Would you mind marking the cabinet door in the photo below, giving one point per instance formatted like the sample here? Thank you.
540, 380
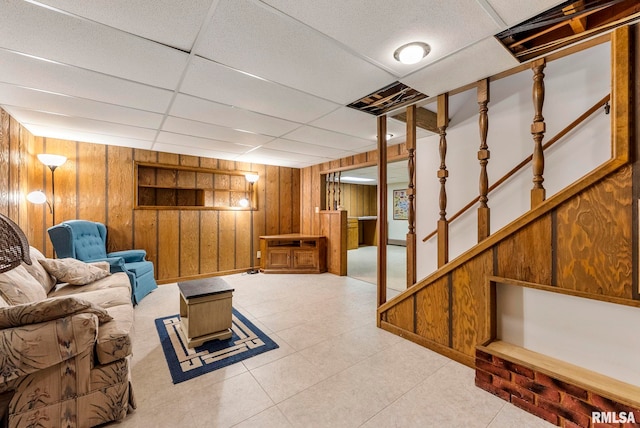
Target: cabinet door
279, 258
305, 259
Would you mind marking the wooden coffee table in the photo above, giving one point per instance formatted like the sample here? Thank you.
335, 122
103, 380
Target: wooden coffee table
205, 310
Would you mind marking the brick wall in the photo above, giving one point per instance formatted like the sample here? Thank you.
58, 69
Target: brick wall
558, 402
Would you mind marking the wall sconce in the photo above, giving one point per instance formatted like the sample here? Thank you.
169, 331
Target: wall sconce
38, 197
252, 179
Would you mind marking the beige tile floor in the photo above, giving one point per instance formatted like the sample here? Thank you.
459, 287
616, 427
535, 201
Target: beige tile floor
333, 368
362, 262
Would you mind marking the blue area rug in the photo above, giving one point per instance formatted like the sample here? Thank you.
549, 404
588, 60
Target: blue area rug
185, 363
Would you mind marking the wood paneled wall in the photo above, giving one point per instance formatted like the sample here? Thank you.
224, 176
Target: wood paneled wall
358, 200
311, 180
96, 183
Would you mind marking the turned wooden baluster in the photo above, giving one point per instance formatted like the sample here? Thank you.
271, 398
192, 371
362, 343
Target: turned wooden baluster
443, 224
333, 191
484, 226
327, 182
538, 129
411, 164
339, 192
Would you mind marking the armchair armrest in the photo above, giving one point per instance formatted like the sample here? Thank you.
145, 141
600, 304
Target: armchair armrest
130, 256
116, 264
30, 348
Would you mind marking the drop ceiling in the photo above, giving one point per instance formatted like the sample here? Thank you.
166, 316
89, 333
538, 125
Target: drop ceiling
247, 80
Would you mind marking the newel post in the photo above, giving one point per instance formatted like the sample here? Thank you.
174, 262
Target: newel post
484, 224
443, 224
538, 129
382, 210
411, 192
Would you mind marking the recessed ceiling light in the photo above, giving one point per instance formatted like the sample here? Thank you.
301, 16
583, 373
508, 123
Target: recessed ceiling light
359, 179
412, 53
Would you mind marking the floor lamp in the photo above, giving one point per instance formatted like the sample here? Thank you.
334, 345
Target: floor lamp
38, 196
252, 179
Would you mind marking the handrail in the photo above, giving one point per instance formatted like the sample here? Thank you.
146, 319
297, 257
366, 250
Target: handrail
522, 164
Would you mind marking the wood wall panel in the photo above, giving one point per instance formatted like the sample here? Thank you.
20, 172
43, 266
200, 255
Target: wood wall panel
209, 241
37, 215
272, 200
145, 226
470, 324
5, 161
358, 199
227, 241
594, 238
333, 225
119, 198
432, 312
526, 255
168, 244
402, 315
189, 243
92, 174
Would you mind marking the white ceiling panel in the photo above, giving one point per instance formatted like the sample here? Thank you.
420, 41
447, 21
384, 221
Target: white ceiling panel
213, 132
201, 143
307, 149
216, 82
87, 137
63, 79
487, 56
193, 151
61, 122
514, 12
357, 124
264, 153
218, 114
375, 29
322, 137
169, 22
18, 96
254, 38
38, 31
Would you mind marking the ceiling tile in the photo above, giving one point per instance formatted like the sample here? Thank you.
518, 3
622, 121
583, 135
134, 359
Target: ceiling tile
216, 82
322, 137
514, 12
255, 38
63, 79
193, 151
59, 123
307, 149
357, 124
64, 38
213, 132
487, 56
61, 104
166, 21
201, 143
201, 110
88, 137
266, 156
376, 28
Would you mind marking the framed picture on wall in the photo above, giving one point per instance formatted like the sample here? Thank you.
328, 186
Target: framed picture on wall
400, 205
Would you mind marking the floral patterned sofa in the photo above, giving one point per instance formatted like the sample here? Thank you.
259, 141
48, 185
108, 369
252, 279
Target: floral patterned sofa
64, 349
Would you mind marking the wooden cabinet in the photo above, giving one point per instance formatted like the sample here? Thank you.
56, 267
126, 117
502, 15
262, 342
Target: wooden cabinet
293, 253
352, 233
160, 186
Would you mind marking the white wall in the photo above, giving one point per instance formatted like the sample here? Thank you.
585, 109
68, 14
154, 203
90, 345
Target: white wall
397, 228
573, 84
572, 329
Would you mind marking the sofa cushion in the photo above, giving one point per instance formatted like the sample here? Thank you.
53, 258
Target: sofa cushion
17, 286
139, 268
73, 271
47, 310
114, 338
38, 271
116, 280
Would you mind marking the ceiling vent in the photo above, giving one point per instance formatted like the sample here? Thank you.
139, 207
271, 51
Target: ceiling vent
389, 98
565, 24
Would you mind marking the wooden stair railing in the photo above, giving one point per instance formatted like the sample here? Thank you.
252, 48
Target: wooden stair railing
514, 170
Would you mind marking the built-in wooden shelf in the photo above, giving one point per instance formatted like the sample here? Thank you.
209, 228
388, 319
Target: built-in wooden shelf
159, 186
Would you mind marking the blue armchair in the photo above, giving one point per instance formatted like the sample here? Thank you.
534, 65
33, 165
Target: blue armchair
86, 240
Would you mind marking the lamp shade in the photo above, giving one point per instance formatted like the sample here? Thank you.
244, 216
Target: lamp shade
37, 197
252, 178
52, 160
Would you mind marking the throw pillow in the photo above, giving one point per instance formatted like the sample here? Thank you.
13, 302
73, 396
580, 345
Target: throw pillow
17, 286
49, 309
73, 271
36, 270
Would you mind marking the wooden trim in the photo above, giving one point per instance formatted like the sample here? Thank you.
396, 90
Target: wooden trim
605, 386
554, 289
200, 276
382, 211
434, 346
193, 168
